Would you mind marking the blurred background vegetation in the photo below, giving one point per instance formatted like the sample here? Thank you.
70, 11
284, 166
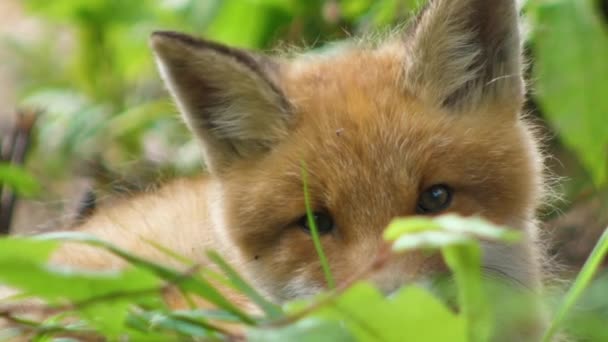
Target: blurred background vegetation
106, 125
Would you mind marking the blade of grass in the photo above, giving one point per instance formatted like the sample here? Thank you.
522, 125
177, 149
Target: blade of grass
171, 322
581, 283
315, 233
196, 285
272, 311
208, 314
49, 328
177, 257
206, 273
465, 262
168, 252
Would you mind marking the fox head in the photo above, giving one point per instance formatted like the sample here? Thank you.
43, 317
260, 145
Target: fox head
424, 123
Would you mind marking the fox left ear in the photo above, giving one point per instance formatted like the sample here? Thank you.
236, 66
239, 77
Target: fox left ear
466, 53
229, 97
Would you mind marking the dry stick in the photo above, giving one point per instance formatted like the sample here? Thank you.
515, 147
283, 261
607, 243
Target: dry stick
6, 152
14, 151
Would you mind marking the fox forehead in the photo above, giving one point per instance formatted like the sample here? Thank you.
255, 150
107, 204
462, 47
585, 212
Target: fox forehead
354, 83
370, 148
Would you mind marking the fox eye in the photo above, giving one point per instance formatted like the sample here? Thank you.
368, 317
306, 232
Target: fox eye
323, 221
434, 199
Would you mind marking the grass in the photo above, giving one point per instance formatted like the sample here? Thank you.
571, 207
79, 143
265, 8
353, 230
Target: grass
129, 304
314, 232
582, 282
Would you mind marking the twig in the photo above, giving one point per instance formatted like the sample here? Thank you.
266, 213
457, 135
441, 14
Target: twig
13, 151
6, 196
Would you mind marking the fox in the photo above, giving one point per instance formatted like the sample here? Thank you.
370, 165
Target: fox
426, 121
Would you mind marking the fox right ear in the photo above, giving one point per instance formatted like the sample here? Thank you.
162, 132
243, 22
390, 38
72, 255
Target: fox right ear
229, 98
464, 53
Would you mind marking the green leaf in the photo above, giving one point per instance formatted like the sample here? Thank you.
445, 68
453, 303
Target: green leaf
18, 179
272, 311
56, 283
306, 330
412, 314
352, 9
400, 227
206, 314
136, 119
101, 297
109, 317
592, 265
90, 11
171, 322
587, 322
259, 19
443, 231
477, 227
429, 240
34, 251
456, 236
570, 43
190, 283
465, 263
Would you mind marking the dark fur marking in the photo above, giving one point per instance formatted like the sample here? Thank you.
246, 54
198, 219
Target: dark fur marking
242, 56
494, 36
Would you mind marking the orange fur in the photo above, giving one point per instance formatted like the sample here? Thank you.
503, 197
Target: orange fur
437, 104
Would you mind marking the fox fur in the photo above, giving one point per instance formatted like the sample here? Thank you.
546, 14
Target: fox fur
438, 102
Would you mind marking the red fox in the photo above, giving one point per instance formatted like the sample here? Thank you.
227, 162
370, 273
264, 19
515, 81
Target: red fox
427, 121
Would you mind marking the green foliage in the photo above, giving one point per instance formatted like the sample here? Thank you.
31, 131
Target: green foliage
582, 282
314, 232
99, 297
18, 179
589, 318
100, 90
305, 330
103, 101
107, 76
570, 42
271, 310
457, 239
128, 304
195, 285
368, 316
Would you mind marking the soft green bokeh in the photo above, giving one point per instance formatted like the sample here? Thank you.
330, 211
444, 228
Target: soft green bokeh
570, 42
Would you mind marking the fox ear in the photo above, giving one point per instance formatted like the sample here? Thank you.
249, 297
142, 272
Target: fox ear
228, 97
465, 53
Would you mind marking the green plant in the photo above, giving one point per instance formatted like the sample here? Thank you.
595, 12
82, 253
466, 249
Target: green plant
571, 85
18, 179
128, 304
103, 101
582, 282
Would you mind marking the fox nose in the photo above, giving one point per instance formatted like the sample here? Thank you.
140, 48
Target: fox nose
391, 276
401, 269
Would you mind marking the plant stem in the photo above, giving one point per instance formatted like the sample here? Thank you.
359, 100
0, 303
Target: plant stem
581, 283
315, 233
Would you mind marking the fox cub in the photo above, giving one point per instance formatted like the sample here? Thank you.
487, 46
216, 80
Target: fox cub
423, 123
